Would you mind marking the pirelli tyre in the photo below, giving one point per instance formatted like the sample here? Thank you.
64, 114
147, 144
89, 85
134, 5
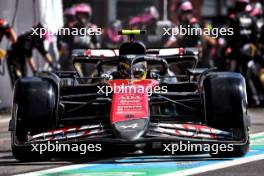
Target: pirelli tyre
34, 106
225, 101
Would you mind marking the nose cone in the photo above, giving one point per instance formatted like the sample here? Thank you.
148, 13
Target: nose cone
131, 129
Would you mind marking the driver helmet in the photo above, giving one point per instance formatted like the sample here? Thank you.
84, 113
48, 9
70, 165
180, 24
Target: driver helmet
124, 66
123, 69
139, 70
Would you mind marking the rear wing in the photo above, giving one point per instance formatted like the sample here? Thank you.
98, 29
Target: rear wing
105, 53
171, 55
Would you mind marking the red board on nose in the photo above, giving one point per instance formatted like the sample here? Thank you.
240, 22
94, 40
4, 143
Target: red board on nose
130, 106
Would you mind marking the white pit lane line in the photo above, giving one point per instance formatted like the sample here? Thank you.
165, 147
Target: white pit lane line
221, 165
197, 170
54, 170
212, 167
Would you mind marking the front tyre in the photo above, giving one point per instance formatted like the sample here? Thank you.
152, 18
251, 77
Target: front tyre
33, 111
225, 101
238, 151
24, 153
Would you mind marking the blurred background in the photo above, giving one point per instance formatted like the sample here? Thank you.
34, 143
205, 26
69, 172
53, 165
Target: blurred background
242, 52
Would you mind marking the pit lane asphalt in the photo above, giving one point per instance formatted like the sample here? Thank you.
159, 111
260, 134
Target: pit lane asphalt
9, 166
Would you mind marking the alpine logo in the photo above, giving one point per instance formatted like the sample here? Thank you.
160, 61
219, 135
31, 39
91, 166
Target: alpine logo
135, 125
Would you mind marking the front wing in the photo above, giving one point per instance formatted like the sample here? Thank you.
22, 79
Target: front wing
157, 132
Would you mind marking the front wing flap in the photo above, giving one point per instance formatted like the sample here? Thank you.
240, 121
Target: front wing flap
157, 132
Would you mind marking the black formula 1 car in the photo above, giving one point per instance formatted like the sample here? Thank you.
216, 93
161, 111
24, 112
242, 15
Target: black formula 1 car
196, 105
